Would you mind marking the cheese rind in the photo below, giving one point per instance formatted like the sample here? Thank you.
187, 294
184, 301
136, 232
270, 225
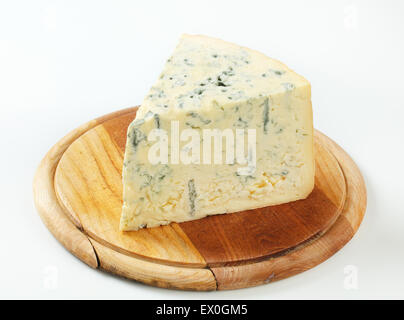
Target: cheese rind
212, 84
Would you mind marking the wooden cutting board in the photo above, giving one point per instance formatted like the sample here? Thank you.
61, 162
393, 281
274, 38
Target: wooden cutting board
78, 194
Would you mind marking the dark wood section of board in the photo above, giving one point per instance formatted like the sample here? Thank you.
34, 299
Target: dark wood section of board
258, 234
230, 243
270, 270
252, 235
118, 126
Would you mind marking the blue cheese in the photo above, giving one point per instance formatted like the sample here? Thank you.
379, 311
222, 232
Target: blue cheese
212, 84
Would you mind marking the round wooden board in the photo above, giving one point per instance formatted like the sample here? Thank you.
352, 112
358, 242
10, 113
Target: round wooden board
77, 191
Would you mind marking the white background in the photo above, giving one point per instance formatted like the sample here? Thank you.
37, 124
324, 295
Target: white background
63, 63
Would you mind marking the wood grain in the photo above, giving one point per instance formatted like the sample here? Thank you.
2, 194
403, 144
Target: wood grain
153, 257
45, 198
89, 186
164, 276
88, 182
312, 254
275, 230
356, 198
48, 207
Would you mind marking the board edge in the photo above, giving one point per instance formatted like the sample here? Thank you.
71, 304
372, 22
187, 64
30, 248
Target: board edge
230, 278
84, 247
88, 250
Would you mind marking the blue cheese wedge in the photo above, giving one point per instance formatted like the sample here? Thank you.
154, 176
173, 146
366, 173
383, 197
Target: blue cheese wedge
212, 84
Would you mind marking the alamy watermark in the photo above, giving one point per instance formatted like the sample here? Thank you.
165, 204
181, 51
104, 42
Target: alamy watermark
351, 277
190, 153
350, 17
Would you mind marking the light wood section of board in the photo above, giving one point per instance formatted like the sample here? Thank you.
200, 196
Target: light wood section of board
77, 191
164, 276
50, 210
88, 182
